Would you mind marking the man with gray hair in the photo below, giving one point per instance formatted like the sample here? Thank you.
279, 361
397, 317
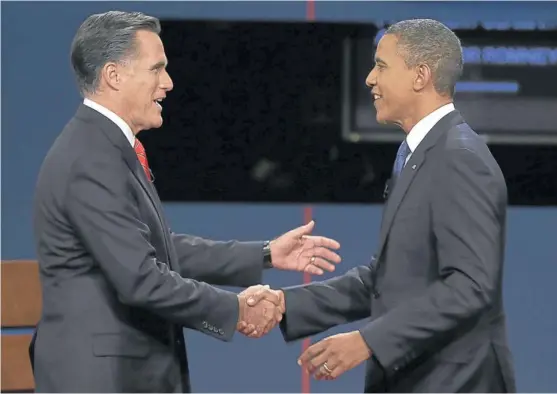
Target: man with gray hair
118, 285
433, 290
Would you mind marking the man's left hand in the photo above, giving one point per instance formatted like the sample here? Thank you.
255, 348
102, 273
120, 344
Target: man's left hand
332, 356
298, 251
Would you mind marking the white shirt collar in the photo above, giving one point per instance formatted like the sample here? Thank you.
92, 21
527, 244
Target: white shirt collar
113, 117
420, 130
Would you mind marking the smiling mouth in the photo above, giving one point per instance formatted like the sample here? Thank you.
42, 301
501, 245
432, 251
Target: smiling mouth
158, 102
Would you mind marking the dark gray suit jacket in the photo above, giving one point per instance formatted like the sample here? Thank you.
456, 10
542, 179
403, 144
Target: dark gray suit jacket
433, 290
118, 286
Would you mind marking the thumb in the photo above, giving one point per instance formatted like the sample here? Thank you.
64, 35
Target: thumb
256, 297
306, 229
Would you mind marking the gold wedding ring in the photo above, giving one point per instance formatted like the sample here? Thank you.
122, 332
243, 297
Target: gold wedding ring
326, 368
312, 260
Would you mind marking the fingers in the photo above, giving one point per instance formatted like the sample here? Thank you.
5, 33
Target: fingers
252, 332
313, 270
319, 260
259, 319
333, 356
320, 361
271, 324
263, 310
326, 370
325, 242
246, 329
278, 314
327, 254
314, 364
274, 316
311, 352
318, 266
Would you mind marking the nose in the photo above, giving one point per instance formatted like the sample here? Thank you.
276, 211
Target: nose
371, 79
166, 82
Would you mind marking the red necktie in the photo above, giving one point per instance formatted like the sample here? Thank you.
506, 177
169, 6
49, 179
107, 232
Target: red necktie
142, 157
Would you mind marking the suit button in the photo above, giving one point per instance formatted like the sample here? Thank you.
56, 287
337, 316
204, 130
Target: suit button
221, 332
205, 324
376, 294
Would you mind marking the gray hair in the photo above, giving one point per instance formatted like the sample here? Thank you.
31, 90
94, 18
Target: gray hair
103, 38
426, 41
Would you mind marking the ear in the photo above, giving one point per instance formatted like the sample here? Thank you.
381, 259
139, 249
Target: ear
422, 77
112, 76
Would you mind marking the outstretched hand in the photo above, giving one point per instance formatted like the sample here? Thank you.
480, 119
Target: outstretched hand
297, 250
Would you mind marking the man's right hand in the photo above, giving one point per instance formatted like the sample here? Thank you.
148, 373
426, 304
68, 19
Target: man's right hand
261, 309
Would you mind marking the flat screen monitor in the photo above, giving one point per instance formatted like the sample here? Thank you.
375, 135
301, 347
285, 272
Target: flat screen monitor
507, 93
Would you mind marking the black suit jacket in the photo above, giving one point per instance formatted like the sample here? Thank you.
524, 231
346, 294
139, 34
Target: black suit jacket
118, 286
433, 290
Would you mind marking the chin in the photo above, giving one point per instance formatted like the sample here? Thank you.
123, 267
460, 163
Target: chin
381, 119
156, 123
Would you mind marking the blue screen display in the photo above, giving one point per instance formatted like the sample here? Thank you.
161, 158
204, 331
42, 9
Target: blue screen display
508, 90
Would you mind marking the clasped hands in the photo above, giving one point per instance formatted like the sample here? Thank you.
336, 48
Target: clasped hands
262, 308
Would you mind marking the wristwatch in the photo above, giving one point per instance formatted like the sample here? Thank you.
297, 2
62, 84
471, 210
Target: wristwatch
267, 260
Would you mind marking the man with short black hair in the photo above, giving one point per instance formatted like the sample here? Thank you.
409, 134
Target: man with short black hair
433, 290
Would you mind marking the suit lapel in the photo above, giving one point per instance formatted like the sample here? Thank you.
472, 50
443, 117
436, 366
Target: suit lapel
117, 137
148, 187
409, 173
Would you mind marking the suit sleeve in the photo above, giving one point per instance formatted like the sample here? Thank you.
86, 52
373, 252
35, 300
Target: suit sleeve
467, 223
229, 263
101, 208
316, 307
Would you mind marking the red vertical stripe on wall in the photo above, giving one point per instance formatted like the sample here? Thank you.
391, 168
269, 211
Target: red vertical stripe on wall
310, 10
308, 213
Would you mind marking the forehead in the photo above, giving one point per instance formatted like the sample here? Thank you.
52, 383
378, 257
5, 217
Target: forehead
387, 48
149, 46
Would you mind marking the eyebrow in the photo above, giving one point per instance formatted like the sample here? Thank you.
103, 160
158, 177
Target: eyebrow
160, 64
379, 60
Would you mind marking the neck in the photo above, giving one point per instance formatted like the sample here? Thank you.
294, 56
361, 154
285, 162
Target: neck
421, 110
112, 105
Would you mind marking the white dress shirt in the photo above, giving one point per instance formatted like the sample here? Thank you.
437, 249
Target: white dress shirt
113, 117
420, 130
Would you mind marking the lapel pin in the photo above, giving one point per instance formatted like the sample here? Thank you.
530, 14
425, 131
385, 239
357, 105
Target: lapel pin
414, 167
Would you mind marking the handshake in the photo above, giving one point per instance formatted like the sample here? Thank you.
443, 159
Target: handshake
261, 309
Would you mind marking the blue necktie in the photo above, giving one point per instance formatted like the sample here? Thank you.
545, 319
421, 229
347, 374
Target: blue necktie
401, 155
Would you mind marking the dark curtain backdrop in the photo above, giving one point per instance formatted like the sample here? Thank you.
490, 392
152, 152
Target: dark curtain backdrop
255, 117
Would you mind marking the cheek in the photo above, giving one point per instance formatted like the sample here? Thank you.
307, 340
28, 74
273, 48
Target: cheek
398, 89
